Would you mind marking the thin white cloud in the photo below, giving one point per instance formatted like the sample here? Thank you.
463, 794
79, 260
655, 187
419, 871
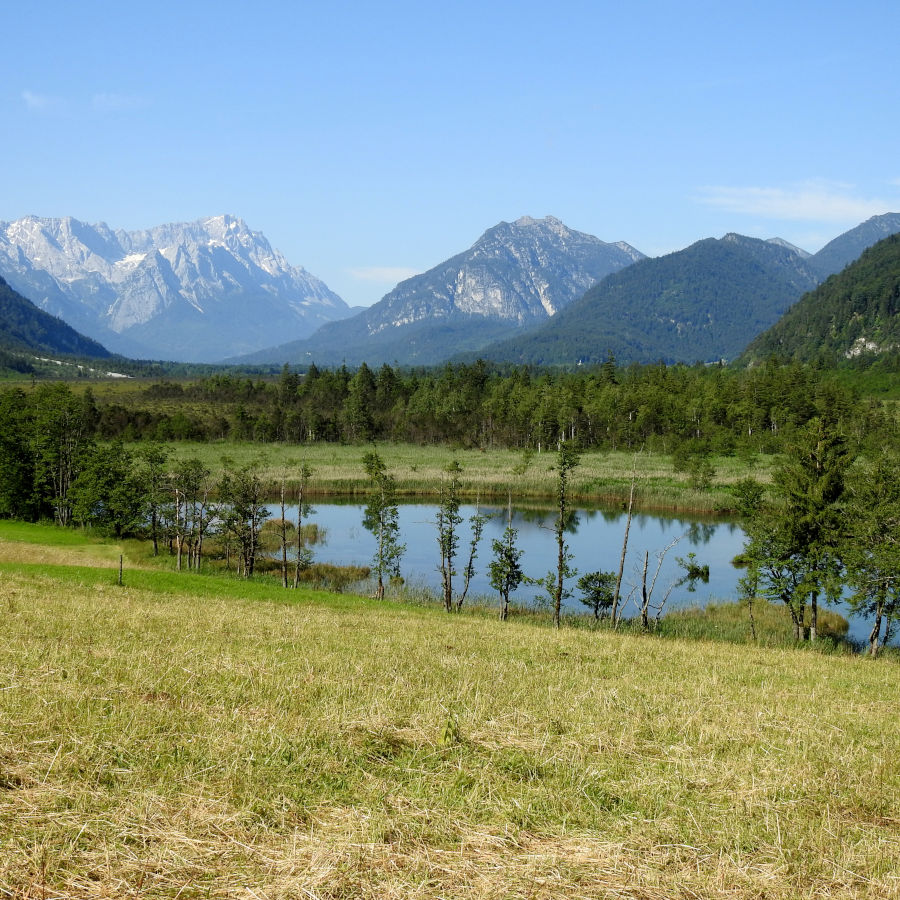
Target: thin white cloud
111, 102
814, 201
384, 274
38, 102
103, 103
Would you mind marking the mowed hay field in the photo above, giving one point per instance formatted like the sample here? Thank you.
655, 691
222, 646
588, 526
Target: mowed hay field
189, 736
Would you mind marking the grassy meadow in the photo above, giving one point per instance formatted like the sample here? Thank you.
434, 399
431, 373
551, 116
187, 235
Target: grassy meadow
201, 736
601, 477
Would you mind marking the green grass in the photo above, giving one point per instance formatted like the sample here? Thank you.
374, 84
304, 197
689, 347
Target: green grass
601, 477
47, 535
22, 542
202, 736
731, 622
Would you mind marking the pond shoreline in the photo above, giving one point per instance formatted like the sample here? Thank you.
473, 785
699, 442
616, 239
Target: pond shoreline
716, 507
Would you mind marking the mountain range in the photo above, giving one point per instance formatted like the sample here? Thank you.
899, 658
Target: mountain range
531, 291
702, 303
193, 292
516, 275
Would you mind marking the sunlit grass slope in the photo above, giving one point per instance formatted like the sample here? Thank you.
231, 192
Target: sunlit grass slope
24, 542
186, 736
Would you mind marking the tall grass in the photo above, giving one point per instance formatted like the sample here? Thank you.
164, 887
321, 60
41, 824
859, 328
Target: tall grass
601, 476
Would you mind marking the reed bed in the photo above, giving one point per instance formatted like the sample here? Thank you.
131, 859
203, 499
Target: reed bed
602, 477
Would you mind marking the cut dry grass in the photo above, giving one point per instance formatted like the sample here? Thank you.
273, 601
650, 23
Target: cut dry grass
205, 741
21, 542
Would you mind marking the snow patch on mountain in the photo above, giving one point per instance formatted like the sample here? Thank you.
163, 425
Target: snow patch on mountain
195, 291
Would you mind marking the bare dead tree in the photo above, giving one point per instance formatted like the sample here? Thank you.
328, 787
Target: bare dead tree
614, 613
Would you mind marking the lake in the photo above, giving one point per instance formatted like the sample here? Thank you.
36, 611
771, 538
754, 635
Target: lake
595, 542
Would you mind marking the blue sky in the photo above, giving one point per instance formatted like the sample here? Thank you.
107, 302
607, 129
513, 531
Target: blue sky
371, 141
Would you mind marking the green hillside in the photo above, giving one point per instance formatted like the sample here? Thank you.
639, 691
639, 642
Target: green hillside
854, 314
25, 327
700, 304
848, 247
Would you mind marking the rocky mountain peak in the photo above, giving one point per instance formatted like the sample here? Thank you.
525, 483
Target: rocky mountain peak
549, 224
195, 291
781, 242
516, 274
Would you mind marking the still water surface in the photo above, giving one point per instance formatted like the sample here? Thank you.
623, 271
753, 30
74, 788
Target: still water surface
595, 541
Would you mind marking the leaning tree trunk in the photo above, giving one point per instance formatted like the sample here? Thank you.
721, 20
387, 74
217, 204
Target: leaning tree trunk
796, 620
875, 633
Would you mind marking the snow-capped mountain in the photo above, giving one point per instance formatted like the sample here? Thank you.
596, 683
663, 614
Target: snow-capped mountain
515, 275
195, 291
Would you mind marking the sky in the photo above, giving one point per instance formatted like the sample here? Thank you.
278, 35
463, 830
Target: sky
371, 141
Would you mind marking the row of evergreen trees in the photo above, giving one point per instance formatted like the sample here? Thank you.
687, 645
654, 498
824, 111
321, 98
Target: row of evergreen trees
610, 407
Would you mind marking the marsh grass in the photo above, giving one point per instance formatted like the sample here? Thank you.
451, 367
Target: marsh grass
200, 736
730, 621
601, 477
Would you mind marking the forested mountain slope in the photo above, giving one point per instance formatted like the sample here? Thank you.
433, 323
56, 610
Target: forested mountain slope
847, 247
700, 304
854, 313
25, 327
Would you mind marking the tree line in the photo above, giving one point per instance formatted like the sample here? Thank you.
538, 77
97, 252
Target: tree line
704, 408
53, 466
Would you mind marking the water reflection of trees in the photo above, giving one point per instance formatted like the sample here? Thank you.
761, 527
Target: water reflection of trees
545, 518
700, 532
